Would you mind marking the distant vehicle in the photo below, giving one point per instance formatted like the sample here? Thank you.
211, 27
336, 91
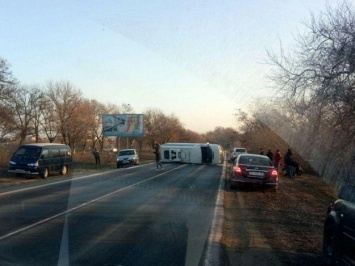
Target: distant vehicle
237, 151
194, 153
41, 159
339, 229
253, 169
127, 157
110, 149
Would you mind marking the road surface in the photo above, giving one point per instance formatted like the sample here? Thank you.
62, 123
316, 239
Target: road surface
129, 216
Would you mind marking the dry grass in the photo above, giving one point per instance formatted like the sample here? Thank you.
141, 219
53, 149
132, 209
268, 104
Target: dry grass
82, 162
289, 221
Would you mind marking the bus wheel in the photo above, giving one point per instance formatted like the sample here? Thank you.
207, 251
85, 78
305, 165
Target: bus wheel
44, 173
64, 170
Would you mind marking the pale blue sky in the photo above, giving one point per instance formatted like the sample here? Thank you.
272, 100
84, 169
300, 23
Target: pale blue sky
200, 60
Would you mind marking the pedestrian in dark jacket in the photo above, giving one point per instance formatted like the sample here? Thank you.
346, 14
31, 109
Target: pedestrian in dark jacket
270, 154
261, 151
96, 154
157, 156
288, 157
290, 162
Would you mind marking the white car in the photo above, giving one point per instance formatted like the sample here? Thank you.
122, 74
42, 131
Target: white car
237, 151
127, 157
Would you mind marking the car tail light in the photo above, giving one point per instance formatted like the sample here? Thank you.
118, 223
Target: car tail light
237, 170
273, 172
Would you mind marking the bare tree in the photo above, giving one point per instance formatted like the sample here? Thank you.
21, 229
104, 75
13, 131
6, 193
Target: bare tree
49, 123
38, 106
321, 71
6, 91
96, 110
66, 100
171, 128
21, 106
6, 79
226, 137
187, 135
316, 82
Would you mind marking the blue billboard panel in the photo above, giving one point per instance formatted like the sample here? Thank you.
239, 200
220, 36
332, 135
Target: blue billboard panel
122, 125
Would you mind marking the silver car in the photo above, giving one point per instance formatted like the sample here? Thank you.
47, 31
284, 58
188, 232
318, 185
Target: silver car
127, 157
237, 151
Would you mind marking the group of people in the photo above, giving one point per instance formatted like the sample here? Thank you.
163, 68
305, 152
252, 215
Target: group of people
288, 161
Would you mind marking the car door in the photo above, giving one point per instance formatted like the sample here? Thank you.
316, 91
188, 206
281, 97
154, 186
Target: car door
348, 234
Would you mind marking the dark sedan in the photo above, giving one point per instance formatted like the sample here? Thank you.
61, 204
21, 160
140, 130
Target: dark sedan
253, 169
339, 229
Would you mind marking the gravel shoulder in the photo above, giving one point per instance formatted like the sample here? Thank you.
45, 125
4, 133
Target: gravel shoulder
262, 227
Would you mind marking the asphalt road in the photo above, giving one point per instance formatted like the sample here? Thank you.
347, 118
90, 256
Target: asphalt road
129, 216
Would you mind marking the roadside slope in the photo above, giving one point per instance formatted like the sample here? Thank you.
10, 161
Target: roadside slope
283, 228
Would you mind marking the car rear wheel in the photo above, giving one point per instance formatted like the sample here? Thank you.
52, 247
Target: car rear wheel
45, 173
331, 254
64, 170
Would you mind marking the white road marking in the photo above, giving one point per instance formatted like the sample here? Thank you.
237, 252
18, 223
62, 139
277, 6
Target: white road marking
62, 181
83, 204
216, 227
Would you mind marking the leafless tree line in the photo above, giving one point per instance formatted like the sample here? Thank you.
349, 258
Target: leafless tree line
59, 112
315, 84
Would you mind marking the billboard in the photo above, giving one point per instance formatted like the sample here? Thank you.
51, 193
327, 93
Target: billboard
122, 125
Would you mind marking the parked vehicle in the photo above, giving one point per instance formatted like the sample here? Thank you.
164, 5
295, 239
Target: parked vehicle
253, 169
110, 149
339, 229
41, 159
127, 157
237, 151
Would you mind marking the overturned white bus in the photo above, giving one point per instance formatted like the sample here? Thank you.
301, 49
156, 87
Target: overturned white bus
194, 153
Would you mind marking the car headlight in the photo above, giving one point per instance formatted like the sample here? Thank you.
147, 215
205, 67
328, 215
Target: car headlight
12, 162
33, 164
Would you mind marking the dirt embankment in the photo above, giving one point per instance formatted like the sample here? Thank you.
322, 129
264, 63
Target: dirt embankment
283, 228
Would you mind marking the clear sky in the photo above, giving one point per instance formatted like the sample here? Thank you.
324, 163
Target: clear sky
198, 59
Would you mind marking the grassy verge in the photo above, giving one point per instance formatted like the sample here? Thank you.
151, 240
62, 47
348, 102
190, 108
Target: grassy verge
82, 162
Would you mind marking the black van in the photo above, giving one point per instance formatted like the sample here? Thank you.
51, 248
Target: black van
40, 159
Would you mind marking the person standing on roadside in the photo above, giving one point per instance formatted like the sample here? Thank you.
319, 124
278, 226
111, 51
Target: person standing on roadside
261, 151
277, 157
96, 154
157, 156
270, 154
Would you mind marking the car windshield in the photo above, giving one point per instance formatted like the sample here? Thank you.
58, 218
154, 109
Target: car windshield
130, 152
29, 152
